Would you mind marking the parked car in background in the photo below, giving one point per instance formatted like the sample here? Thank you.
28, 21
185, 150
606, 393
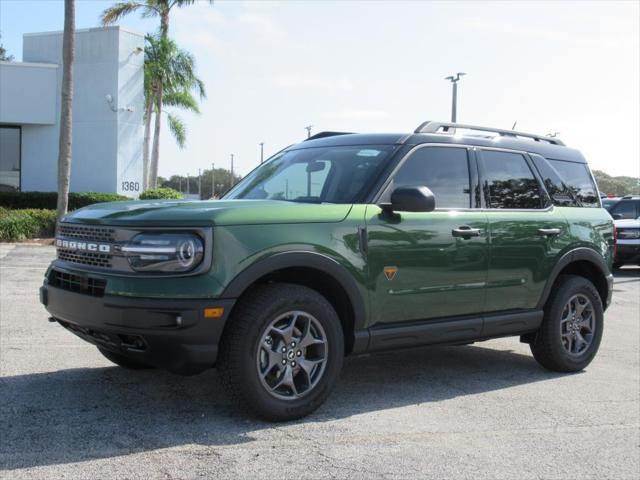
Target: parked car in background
628, 243
623, 208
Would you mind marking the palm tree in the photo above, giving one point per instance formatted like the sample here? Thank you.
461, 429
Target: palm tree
169, 80
64, 151
148, 8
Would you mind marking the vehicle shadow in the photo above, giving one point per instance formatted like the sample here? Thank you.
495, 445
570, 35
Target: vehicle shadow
83, 414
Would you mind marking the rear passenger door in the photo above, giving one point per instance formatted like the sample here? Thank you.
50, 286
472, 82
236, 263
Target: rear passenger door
526, 232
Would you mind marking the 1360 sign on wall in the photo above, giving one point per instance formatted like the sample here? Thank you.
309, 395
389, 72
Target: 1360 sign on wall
130, 186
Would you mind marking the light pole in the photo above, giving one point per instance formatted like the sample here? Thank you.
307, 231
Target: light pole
188, 190
261, 152
454, 101
213, 183
308, 129
199, 184
231, 182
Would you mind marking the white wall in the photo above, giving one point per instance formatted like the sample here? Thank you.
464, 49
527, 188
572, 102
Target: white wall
107, 144
27, 93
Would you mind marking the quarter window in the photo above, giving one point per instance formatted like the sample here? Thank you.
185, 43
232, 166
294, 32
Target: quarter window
509, 182
558, 190
576, 176
444, 170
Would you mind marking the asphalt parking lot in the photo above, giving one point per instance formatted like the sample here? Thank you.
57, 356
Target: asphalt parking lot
481, 411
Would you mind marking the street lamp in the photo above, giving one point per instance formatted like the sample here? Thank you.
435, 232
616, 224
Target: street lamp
308, 129
454, 80
261, 152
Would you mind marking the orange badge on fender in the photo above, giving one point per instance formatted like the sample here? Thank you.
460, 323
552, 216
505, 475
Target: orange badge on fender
390, 272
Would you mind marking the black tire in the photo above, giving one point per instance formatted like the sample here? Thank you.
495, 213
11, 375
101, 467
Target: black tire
242, 339
123, 361
617, 265
548, 347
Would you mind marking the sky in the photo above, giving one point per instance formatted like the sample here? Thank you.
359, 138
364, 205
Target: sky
272, 68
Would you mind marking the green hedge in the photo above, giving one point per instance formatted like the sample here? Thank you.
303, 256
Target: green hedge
160, 193
48, 200
17, 225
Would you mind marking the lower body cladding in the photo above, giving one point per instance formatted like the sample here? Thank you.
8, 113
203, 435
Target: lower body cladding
175, 335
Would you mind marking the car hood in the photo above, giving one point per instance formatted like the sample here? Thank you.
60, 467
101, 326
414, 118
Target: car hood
209, 212
627, 223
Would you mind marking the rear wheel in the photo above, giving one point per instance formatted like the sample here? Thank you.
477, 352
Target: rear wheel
282, 352
571, 331
123, 361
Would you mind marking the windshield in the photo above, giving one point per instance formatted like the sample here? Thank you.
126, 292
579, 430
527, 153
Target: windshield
315, 175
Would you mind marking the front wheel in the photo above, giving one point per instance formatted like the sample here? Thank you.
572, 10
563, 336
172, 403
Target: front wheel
571, 331
282, 351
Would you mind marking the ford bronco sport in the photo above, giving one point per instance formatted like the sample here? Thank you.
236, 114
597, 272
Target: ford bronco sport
344, 244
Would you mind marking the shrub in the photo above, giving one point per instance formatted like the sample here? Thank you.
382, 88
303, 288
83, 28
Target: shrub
17, 225
159, 193
48, 200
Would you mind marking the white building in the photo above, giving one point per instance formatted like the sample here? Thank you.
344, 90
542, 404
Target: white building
107, 113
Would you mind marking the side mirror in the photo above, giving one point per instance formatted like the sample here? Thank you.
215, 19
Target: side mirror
617, 216
414, 198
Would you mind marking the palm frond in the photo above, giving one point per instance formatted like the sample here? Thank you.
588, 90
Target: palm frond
178, 130
181, 99
121, 9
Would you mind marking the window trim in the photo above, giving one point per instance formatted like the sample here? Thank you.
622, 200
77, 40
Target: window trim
473, 176
19, 128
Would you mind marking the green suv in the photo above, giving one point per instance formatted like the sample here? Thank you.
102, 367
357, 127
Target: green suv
340, 245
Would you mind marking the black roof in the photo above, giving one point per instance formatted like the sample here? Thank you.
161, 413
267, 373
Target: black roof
546, 149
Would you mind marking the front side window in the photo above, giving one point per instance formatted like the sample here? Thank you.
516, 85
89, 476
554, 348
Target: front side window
9, 159
444, 170
508, 181
577, 177
339, 174
625, 209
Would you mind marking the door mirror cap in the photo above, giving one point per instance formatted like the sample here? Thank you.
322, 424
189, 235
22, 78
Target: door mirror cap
412, 198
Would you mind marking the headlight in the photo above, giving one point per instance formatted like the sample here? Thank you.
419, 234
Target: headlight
630, 233
164, 252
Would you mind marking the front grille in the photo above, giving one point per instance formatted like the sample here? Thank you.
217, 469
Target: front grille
84, 232
76, 283
86, 258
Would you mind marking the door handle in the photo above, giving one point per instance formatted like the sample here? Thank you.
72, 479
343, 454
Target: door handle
465, 231
549, 232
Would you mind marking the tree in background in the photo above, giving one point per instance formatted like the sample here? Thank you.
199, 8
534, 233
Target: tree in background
617, 186
66, 118
222, 177
170, 80
150, 8
3, 54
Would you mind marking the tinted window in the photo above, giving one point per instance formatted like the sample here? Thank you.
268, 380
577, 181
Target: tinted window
445, 171
577, 177
315, 175
9, 159
509, 182
559, 192
626, 208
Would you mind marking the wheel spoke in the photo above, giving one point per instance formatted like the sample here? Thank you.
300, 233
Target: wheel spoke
307, 366
580, 307
274, 358
286, 381
307, 339
286, 333
585, 323
579, 342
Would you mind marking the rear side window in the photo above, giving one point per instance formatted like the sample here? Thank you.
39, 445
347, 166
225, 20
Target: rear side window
560, 193
444, 170
508, 181
577, 177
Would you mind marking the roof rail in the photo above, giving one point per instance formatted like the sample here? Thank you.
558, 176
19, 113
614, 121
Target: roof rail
326, 134
434, 127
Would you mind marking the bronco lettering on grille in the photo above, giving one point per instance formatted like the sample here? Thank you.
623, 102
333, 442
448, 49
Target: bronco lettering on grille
83, 246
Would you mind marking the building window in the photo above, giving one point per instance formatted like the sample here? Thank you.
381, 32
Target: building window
9, 159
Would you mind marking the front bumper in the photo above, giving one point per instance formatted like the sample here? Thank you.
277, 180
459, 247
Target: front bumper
170, 334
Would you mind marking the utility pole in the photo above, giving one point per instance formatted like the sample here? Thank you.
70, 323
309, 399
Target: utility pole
261, 152
308, 129
188, 191
199, 184
213, 181
454, 79
232, 182
180, 184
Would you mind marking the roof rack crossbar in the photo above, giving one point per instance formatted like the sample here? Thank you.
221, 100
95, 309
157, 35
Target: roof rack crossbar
326, 134
434, 127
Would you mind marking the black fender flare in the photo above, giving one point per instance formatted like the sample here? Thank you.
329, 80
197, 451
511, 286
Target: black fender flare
574, 255
318, 261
